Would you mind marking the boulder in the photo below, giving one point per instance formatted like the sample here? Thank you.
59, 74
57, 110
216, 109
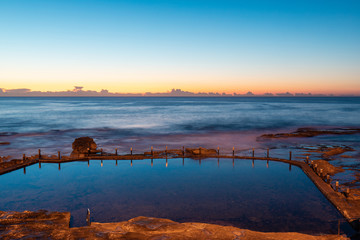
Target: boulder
201, 151
82, 145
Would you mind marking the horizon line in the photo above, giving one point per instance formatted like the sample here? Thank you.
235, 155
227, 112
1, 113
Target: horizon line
79, 92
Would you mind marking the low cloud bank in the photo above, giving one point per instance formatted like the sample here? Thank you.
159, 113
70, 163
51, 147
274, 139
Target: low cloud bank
79, 92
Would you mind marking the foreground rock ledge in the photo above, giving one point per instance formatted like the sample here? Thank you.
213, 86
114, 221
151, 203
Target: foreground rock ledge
55, 225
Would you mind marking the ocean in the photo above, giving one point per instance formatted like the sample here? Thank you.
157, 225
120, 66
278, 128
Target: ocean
52, 123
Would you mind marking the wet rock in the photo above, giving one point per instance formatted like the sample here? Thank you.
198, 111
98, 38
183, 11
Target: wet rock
46, 225
354, 194
4, 143
81, 145
312, 132
4, 159
327, 152
200, 151
335, 151
6, 163
327, 167
33, 225
139, 224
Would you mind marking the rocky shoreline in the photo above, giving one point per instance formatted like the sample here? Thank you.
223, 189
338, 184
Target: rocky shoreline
312, 132
55, 225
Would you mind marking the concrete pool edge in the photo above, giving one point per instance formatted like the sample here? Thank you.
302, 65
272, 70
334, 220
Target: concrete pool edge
350, 209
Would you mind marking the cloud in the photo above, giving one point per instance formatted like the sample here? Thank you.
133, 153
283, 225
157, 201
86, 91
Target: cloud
287, 94
79, 91
17, 91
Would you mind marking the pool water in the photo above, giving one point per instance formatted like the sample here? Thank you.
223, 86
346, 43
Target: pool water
257, 196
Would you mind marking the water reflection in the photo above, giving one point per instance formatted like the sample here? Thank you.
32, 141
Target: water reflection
88, 220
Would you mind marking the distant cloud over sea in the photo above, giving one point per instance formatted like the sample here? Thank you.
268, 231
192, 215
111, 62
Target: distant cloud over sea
78, 91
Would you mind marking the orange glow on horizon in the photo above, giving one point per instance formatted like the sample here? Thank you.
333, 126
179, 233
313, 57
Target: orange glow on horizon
240, 88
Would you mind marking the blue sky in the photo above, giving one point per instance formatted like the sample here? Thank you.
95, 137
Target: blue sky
139, 46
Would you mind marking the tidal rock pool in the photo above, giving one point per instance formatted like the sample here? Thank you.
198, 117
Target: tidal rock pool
259, 195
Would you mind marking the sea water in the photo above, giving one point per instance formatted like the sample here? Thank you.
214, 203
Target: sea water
52, 123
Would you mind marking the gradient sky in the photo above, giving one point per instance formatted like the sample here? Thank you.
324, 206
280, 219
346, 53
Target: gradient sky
196, 45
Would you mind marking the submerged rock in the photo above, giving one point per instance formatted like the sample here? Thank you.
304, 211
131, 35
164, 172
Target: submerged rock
81, 146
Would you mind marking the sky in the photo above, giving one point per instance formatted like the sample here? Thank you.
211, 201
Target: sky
137, 46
